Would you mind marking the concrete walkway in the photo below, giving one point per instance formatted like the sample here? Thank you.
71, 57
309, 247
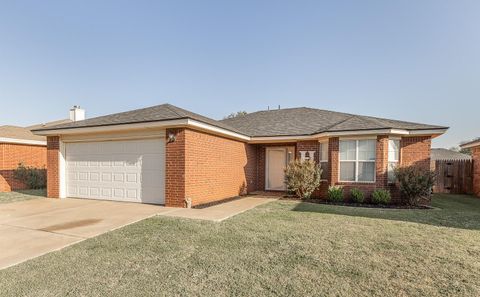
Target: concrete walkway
223, 211
29, 229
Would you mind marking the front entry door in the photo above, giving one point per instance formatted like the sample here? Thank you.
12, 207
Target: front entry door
276, 160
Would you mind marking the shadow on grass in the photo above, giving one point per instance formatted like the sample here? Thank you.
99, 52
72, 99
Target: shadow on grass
454, 211
36, 192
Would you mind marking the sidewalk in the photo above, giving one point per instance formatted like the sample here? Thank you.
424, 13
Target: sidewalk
220, 212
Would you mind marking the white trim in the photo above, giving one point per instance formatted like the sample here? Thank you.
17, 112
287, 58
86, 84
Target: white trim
62, 169
274, 139
428, 132
369, 137
470, 144
113, 128
215, 129
22, 141
321, 161
397, 161
353, 134
112, 136
161, 124
225, 132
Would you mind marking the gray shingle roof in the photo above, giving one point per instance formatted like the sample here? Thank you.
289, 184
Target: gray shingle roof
25, 133
282, 122
156, 113
307, 121
444, 154
474, 142
16, 132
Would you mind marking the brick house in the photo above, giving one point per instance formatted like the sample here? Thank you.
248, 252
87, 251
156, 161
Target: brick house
167, 155
20, 145
474, 147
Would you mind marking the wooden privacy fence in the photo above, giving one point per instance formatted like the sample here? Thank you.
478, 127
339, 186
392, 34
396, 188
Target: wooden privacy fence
453, 176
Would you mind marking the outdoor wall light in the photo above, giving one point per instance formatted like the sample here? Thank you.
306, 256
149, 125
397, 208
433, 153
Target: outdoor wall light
171, 137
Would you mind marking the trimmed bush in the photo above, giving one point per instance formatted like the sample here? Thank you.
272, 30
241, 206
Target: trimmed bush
34, 178
357, 195
381, 196
415, 184
302, 177
335, 194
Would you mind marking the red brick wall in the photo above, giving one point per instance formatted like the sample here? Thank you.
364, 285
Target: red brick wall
416, 151
216, 168
53, 176
476, 170
175, 169
11, 155
208, 168
333, 159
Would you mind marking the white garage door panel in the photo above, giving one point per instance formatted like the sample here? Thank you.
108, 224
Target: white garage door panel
132, 170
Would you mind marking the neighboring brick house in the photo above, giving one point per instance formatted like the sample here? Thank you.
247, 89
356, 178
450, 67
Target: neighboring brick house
167, 155
20, 145
474, 147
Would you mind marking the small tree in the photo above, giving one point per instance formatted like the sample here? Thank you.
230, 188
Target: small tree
415, 183
303, 177
235, 114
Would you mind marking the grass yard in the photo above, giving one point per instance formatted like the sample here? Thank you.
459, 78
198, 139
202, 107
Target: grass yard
283, 248
20, 195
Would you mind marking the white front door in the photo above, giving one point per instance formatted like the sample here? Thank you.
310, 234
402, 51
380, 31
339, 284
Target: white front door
276, 161
130, 170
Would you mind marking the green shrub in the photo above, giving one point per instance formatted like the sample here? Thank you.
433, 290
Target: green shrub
415, 184
335, 194
357, 195
302, 177
34, 178
381, 196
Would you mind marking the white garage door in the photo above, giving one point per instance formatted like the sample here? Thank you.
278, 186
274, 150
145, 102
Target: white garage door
131, 170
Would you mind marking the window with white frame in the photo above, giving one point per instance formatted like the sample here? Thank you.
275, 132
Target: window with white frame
323, 159
393, 158
357, 160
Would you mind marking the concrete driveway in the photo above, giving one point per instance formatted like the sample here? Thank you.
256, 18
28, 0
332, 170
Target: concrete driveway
29, 229
32, 228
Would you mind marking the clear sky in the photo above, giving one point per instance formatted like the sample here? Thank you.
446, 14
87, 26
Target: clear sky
407, 60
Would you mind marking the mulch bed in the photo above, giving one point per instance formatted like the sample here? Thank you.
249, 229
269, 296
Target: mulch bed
351, 204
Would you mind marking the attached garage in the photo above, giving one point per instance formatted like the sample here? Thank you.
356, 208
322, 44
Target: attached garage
121, 170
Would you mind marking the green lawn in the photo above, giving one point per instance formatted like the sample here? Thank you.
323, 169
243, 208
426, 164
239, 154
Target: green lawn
283, 248
20, 195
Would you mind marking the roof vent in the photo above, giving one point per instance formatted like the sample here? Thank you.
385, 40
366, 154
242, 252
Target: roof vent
77, 114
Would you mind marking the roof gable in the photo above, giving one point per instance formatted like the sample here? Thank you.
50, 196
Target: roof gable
156, 113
